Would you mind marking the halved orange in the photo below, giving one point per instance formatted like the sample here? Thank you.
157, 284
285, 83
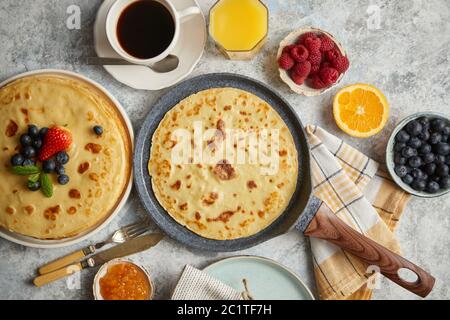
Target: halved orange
361, 110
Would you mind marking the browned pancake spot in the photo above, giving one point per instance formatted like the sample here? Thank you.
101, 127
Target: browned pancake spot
223, 217
72, 210
198, 216
52, 212
83, 167
224, 171
282, 153
210, 199
183, 206
10, 210
93, 176
176, 185
11, 129
251, 184
29, 210
93, 147
74, 194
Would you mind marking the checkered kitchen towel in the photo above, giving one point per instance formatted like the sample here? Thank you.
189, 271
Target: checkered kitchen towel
361, 194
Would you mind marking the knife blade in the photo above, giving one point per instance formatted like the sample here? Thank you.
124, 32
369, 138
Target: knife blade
130, 247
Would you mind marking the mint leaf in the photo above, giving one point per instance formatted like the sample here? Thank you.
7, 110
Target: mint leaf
25, 171
34, 178
46, 185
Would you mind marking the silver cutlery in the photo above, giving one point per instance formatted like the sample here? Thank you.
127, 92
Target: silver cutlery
167, 64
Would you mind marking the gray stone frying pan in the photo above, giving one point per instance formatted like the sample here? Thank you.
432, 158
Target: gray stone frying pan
312, 217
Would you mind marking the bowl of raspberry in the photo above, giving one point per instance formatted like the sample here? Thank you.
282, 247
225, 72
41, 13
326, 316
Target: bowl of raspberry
418, 154
311, 61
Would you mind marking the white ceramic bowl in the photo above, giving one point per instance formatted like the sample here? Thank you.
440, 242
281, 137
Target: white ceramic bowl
104, 269
304, 89
39, 243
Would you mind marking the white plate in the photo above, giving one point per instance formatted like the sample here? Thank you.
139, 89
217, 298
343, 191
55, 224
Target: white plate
189, 49
38, 243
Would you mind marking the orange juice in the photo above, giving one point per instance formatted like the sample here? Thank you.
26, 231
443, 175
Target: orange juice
239, 25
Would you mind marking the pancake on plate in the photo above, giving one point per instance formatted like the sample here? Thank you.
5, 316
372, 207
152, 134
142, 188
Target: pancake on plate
99, 166
223, 164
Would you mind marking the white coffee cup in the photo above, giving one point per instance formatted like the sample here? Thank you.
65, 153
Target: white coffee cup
113, 17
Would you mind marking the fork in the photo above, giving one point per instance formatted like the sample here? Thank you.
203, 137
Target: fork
120, 236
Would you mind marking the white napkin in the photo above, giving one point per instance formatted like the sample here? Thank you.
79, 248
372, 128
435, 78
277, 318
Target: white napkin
198, 285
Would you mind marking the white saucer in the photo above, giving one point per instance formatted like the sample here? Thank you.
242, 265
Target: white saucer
189, 49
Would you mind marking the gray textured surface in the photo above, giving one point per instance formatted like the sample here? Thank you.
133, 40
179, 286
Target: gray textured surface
408, 58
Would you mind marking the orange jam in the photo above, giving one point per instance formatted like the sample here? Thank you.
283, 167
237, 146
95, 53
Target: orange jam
125, 281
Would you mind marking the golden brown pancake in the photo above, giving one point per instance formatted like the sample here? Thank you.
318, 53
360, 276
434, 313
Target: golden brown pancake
99, 166
220, 196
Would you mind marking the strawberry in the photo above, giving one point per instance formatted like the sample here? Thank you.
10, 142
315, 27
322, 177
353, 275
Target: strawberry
57, 139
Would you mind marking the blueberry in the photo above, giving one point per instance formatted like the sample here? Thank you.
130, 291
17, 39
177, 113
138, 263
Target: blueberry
435, 178
25, 140
49, 166
399, 146
60, 170
425, 148
438, 125
430, 168
428, 158
439, 159
442, 148
34, 186
28, 162
416, 173
424, 121
29, 152
442, 170
447, 160
414, 128
414, 143
424, 135
409, 152
419, 184
435, 138
63, 179
445, 183
408, 179
37, 143
62, 157
446, 130
415, 162
398, 159
401, 171
43, 132
433, 187
98, 130
402, 136
33, 131
17, 160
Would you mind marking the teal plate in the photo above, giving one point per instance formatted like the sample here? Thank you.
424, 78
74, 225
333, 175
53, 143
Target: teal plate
266, 279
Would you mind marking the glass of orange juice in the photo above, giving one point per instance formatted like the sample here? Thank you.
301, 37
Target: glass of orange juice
239, 27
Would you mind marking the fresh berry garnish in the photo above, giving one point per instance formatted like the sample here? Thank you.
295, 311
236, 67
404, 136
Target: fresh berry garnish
329, 76
341, 64
56, 139
298, 79
99, 129
17, 160
34, 186
25, 140
62, 157
327, 43
63, 179
285, 62
28, 162
312, 44
315, 57
317, 83
29, 152
60, 170
299, 53
49, 166
43, 132
37, 144
33, 131
302, 69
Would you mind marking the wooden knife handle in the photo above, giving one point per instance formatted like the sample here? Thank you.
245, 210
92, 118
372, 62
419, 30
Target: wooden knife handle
327, 226
64, 261
56, 275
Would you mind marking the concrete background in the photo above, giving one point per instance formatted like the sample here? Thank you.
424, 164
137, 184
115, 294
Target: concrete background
407, 57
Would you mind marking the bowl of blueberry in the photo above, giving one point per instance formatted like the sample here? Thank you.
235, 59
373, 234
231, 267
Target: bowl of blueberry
418, 154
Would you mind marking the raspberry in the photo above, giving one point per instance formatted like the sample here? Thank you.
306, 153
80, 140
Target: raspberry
332, 55
314, 70
285, 61
303, 37
302, 68
327, 43
341, 64
288, 48
298, 79
299, 53
312, 44
326, 64
328, 75
315, 57
317, 83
